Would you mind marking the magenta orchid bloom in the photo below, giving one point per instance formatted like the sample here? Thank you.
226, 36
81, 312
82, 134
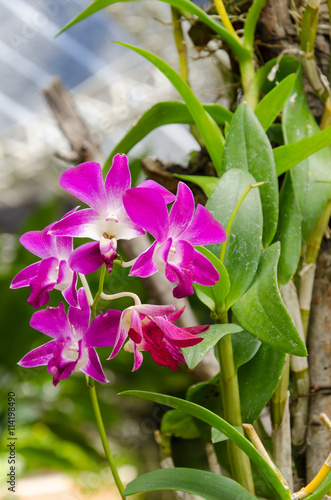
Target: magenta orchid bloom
149, 329
53, 271
175, 235
106, 221
74, 340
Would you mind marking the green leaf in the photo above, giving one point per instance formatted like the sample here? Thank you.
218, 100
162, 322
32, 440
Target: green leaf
290, 155
223, 426
258, 380
244, 347
194, 354
244, 242
213, 296
261, 310
179, 424
247, 147
288, 231
271, 105
274, 71
185, 5
208, 129
205, 484
160, 114
298, 122
206, 182
218, 437
250, 23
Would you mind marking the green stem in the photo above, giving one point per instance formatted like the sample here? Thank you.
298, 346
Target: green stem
100, 289
249, 83
239, 461
234, 213
103, 436
279, 397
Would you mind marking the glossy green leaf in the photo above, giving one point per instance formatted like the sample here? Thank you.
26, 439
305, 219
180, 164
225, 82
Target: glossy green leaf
258, 380
164, 113
288, 231
213, 296
218, 437
205, 484
261, 310
194, 354
298, 122
223, 426
179, 424
208, 129
185, 5
206, 182
244, 347
290, 155
247, 147
244, 242
274, 71
250, 23
271, 105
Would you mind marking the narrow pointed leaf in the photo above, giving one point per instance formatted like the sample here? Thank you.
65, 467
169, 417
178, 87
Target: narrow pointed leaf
274, 71
179, 424
288, 231
298, 122
208, 129
250, 23
239, 49
205, 484
223, 426
247, 147
261, 310
164, 113
244, 241
194, 354
206, 182
271, 105
216, 293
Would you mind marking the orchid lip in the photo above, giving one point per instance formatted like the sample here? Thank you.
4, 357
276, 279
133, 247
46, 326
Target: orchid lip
111, 217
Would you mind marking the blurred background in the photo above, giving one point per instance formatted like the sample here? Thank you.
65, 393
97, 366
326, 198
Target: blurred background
59, 454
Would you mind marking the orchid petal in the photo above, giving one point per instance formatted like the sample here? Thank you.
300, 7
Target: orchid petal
203, 270
135, 331
154, 310
204, 229
121, 335
147, 208
175, 335
167, 195
79, 317
182, 210
118, 180
64, 246
138, 358
86, 183
60, 369
102, 332
176, 315
183, 276
108, 252
52, 321
70, 293
144, 265
39, 356
87, 258
39, 243
24, 277
93, 367
44, 281
85, 223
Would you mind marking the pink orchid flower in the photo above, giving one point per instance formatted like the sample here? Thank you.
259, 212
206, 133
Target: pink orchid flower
74, 340
106, 221
52, 272
175, 235
149, 329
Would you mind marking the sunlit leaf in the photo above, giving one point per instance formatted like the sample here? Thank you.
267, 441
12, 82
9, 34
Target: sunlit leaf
205, 484
244, 242
247, 147
261, 310
206, 182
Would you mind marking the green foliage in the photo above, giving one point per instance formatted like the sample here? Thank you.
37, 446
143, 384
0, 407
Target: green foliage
261, 310
193, 355
206, 183
247, 147
203, 483
179, 424
224, 427
298, 123
288, 231
244, 241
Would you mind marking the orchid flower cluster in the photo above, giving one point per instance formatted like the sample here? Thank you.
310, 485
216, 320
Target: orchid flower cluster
117, 212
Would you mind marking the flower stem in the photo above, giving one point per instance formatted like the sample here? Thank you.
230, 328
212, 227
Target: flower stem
239, 461
120, 295
99, 292
103, 436
225, 18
